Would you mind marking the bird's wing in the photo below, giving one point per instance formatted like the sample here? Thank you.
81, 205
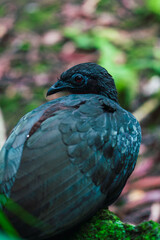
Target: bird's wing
11, 152
46, 174
103, 141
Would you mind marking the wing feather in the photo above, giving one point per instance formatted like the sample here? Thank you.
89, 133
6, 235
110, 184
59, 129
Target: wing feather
80, 156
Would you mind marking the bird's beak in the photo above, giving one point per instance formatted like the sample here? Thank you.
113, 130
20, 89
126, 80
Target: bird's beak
57, 87
57, 90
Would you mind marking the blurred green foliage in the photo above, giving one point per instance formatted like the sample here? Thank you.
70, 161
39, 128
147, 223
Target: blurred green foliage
36, 17
153, 6
2, 11
5, 237
123, 58
127, 47
7, 227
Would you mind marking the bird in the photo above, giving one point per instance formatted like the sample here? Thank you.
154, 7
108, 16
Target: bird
69, 157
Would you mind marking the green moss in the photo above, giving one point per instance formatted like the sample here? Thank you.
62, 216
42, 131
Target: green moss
150, 230
107, 226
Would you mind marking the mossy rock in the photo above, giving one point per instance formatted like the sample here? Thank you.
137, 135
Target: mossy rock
107, 226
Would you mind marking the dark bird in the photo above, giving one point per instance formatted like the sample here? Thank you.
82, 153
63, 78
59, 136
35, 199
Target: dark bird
69, 157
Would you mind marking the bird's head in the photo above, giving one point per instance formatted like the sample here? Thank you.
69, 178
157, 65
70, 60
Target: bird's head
84, 78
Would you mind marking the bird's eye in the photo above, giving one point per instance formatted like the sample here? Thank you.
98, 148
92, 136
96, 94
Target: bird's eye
78, 79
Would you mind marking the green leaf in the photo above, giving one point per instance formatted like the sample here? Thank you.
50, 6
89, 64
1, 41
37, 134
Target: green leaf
7, 226
153, 6
124, 75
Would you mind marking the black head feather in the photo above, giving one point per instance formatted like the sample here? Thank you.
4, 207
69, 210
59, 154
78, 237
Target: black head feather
86, 78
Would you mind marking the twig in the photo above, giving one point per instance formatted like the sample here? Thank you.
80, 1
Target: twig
146, 108
2, 130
